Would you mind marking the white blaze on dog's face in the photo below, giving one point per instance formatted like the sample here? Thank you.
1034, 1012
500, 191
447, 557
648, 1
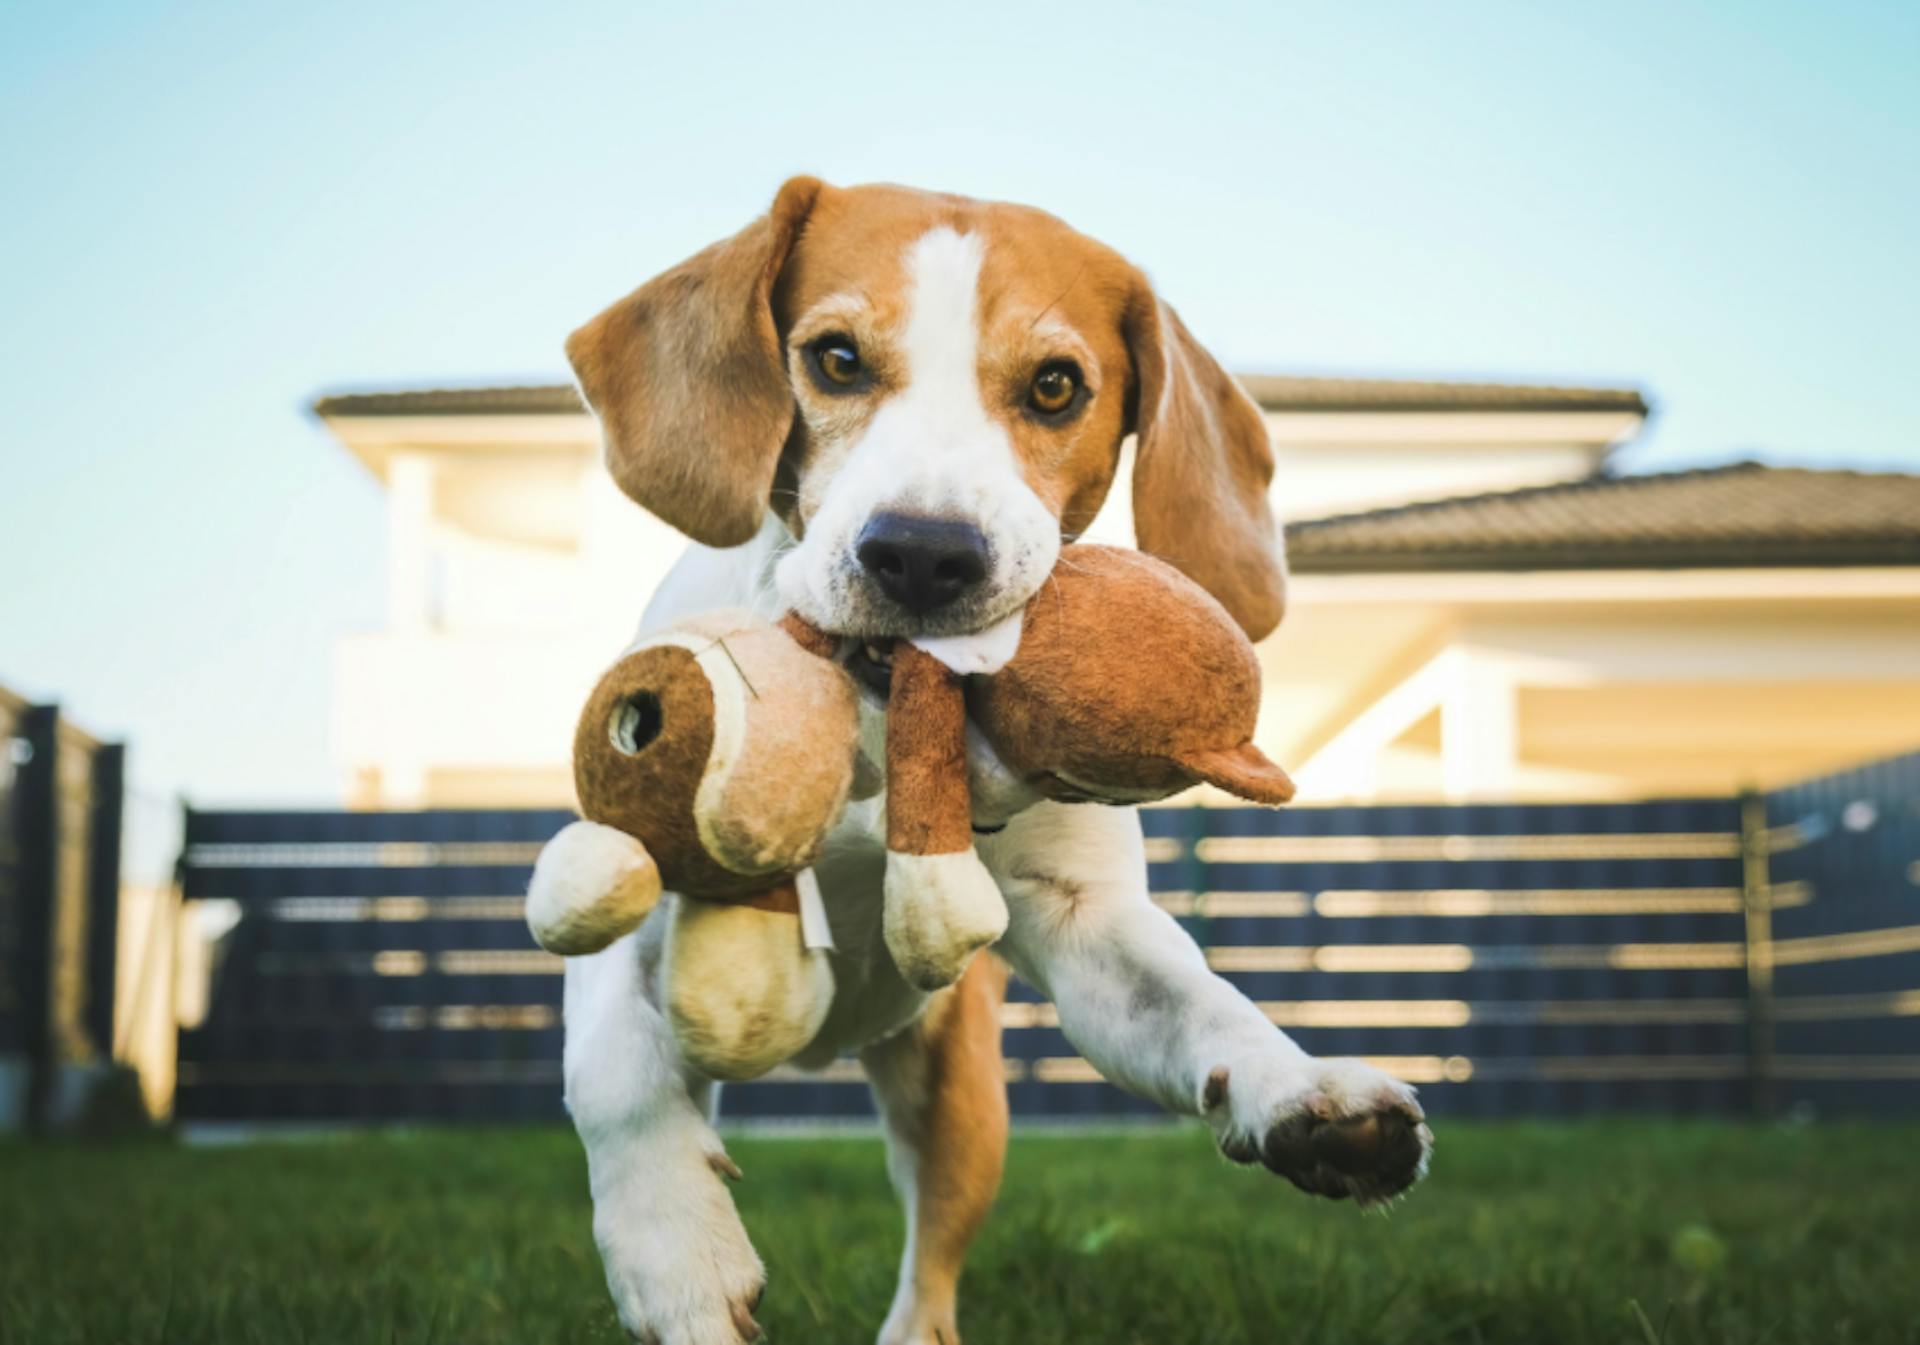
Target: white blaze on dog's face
930, 392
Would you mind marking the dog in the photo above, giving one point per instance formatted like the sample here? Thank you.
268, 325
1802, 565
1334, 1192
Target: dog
886, 409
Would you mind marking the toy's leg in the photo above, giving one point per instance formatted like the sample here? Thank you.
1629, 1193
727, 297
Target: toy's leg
943, 1095
678, 1262
942, 904
1137, 998
591, 885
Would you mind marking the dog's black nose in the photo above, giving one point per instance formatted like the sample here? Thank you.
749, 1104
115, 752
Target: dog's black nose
922, 563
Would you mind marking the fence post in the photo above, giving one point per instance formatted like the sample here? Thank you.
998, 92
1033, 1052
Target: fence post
108, 789
1756, 890
37, 815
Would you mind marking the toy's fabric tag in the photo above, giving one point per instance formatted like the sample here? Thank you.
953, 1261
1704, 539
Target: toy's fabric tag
815, 932
984, 651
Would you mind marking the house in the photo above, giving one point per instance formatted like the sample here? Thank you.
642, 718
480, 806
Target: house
1480, 609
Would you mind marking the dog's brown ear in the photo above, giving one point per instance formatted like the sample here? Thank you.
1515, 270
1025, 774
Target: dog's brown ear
1201, 468
687, 378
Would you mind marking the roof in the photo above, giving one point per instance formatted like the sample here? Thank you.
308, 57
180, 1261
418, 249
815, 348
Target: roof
1289, 392
1275, 392
1737, 516
529, 399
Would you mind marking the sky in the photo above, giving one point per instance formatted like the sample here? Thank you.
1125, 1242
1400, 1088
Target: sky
213, 212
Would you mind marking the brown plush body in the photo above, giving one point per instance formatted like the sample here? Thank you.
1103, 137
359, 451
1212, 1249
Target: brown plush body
1130, 684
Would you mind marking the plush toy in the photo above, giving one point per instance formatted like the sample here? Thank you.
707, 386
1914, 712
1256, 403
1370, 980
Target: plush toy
714, 759
711, 761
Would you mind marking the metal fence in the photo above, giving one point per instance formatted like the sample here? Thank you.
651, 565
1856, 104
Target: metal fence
380, 969
1680, 956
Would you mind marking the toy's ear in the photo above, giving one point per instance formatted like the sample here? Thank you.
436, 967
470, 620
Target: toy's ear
809, 636
1244, 771
687, 378
1201, 469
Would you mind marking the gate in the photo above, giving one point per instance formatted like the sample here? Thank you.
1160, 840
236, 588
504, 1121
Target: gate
1843, 1033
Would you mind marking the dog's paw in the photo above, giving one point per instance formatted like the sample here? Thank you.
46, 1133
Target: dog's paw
681, 1269
737, 1328
1334, 1128
912, 1325
714, 1315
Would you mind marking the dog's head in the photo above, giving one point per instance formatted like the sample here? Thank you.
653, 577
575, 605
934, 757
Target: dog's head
930, 392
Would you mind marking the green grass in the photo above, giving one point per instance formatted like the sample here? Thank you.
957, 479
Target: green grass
1530, 1233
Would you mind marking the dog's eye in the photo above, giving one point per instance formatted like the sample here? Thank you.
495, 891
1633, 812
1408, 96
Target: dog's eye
637, 721
1054, 388
838, 360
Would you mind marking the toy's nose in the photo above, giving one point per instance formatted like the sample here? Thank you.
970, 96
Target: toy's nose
922, 563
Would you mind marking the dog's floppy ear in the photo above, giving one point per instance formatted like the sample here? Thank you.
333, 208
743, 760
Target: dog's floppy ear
1201, 468
687, 378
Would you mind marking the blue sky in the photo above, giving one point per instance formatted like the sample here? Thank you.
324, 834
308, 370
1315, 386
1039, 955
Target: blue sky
214, 211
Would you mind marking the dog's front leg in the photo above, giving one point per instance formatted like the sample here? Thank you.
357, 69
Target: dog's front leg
678, 1261
1136, 997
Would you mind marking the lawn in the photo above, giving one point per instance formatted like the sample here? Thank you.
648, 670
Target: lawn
1565, 1234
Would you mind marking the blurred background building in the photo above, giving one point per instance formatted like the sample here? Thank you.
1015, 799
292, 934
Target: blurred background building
1481, 609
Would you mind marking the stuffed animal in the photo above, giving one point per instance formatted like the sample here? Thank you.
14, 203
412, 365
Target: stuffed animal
714, 759
711, 761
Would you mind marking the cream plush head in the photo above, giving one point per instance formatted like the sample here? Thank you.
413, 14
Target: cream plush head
724, 748
710, 760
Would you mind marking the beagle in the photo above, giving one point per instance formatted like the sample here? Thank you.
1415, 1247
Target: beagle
885, 409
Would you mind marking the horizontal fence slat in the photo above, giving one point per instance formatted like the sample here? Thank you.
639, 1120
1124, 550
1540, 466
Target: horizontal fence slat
274, 882
253, 828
